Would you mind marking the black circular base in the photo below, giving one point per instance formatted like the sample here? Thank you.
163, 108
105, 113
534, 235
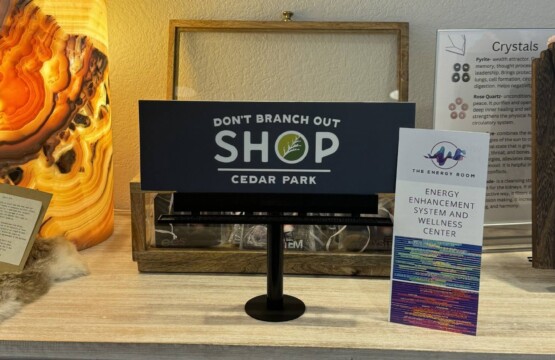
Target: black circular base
257, 307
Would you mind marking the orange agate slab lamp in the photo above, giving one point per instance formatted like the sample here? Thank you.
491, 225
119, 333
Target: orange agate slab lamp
55, 126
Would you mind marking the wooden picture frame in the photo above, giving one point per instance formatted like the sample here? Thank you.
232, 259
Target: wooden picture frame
225, 260
399, 29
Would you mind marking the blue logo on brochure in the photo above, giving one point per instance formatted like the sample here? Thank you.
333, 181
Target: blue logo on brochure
446, 155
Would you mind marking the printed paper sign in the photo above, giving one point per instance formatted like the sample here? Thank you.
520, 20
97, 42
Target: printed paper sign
17, 219
270, 147
439, 216
21, 213
483, 84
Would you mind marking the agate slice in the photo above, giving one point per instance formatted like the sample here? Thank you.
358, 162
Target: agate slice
55, 126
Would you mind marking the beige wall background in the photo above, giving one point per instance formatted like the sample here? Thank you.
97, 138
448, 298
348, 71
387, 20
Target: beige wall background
138, 47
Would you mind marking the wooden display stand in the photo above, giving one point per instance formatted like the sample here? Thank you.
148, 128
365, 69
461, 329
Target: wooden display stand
223, 259
543, 160
231, 260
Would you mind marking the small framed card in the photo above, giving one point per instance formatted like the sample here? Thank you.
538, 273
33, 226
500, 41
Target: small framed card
21, 214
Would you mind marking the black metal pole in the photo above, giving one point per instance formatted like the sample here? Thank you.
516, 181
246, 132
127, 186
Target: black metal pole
275, 266
274, 306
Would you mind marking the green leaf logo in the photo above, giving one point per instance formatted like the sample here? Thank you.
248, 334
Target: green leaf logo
291, 147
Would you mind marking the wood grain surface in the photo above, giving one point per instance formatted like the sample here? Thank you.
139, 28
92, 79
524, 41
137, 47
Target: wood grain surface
118, 312
543, 160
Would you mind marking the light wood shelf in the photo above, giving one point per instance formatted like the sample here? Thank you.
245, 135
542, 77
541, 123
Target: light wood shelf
118, 313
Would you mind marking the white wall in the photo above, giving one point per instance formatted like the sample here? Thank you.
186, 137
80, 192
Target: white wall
138, 39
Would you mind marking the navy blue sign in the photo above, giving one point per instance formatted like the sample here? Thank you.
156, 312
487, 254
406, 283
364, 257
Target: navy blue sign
271, 147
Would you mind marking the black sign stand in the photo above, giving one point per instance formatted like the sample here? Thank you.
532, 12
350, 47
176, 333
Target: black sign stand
275, 306
279, 209
197, 167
